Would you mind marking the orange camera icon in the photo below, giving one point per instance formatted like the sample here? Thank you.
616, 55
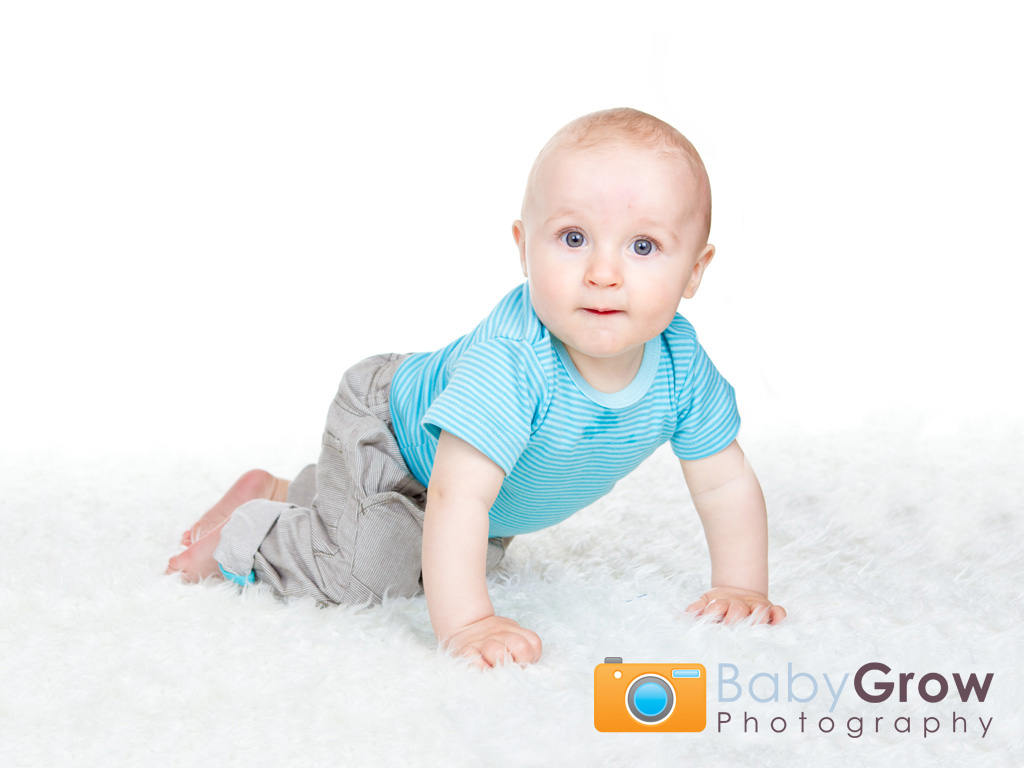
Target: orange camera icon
649, 697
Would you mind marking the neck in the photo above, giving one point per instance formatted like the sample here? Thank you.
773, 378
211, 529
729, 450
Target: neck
608, 374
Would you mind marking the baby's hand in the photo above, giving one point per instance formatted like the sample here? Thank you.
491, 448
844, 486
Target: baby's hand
729, 604
486, 641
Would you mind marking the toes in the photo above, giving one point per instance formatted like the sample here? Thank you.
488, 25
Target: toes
181, 566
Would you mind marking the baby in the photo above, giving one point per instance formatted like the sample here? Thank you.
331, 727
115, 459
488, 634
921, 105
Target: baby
432, 462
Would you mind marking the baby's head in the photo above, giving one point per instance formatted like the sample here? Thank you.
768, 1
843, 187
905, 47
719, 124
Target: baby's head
623, 128
614, 233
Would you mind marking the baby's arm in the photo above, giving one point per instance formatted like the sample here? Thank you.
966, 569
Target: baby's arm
731, 506
463, 485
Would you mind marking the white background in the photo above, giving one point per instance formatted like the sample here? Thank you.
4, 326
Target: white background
209, 210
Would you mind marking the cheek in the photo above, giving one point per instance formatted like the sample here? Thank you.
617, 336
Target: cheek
547, 281
543, 295
661, 302
546, 300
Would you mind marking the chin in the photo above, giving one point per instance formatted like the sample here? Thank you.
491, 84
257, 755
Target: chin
603, 353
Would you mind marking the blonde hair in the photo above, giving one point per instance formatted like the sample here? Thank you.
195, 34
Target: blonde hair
628, 126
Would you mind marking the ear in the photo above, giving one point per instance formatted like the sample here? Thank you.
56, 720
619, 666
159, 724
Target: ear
519, 235
698, 270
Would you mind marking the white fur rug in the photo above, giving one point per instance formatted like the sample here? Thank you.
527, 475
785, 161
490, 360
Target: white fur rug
890, 544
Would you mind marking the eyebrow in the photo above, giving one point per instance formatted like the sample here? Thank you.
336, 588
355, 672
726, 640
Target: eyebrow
561, 214
645, 222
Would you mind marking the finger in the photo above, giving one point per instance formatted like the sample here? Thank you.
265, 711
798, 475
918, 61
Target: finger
519, 648
524, 647
493, 652
777, 614
697, 607
761, 613
716, 609
471, 654
535, 643
478, 661
737, 610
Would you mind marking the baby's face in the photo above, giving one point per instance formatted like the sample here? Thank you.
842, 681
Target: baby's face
611, 240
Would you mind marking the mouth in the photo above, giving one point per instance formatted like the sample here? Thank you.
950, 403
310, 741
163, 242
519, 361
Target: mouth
601, 311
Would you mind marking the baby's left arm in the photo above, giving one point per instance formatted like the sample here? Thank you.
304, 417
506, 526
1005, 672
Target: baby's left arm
731, 506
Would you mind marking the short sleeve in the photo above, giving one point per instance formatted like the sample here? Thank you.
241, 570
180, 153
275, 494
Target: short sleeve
708, 420
491, 399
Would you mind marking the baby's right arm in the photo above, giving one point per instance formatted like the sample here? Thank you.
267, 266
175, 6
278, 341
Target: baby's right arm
463, 485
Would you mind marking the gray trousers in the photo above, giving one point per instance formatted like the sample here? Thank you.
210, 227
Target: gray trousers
351, 530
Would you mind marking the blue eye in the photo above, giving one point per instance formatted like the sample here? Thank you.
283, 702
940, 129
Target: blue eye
573, 239
643, 247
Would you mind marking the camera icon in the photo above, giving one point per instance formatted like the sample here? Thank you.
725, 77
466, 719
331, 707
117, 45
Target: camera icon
649, 697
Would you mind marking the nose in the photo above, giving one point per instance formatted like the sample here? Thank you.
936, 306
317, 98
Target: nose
603, 269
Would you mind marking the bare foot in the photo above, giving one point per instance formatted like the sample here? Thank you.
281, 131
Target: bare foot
254, 484
197, 561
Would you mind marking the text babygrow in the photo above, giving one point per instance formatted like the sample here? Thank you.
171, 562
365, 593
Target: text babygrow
872, 683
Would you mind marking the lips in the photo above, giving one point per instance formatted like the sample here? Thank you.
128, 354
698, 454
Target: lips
601, 311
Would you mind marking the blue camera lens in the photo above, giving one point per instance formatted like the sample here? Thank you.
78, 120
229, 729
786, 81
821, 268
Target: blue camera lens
650, 699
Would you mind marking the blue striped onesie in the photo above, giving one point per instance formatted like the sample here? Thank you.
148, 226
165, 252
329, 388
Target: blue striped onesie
510, 389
